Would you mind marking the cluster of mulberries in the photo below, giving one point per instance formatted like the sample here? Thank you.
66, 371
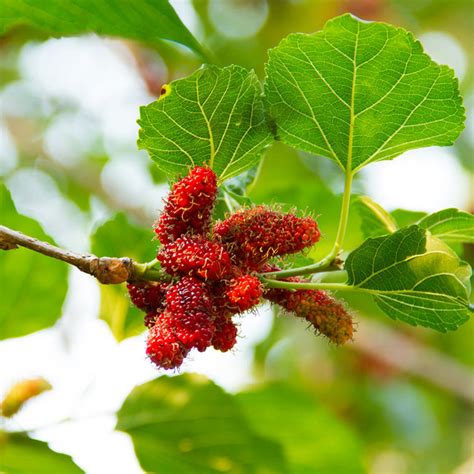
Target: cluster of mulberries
213, 273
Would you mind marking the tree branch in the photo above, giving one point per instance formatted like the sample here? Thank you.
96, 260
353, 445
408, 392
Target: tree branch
108, 270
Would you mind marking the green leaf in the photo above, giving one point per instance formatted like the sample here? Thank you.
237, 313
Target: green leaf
215, 117
20, 454
188, 424
375, 220
413, 277
33, 286
119, 237
306, 430
358, 92
404, 217
450, 225
142, 20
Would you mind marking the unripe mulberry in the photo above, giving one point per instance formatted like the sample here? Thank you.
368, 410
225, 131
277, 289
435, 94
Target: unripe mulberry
147, 296
252, 236
189, 206
163, 347
327, 315
244, 292
195, 256
225, 335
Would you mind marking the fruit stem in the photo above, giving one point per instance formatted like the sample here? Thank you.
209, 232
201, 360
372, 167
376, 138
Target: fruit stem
290, 285
150, 271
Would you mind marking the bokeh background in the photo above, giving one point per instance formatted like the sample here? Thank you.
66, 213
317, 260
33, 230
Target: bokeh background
68, 156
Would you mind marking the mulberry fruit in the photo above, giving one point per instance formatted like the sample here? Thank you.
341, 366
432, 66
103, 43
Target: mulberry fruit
193, 330
225, 335
195, 256
189, 294
163, 347
252, 236
189, 206
147, 296
327, 315
244, 292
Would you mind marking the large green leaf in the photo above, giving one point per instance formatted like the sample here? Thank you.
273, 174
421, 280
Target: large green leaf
143, 20
314, 440
119, 237
413, 277
20, 455
450, 225
358, 92
188, 424
33, 287
215, 116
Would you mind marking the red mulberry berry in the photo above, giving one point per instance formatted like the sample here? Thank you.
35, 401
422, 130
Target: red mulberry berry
189, 206
327, 315
225, 336
220, 303
188, 295
252, 236
150, 319
193, 330
244, 292
189, 313
195, 256
147, 296
163, 347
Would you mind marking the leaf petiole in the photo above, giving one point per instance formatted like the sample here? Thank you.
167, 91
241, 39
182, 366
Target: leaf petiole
289, 285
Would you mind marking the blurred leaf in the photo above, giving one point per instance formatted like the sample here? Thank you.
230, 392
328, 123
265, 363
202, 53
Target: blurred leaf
119, 237
375, 220
314, 440
450, 225
142, 20
413, 277
124, 319
188, 424
33, 286
404, 217
20, 454
358, 92
240, 199
215, 116
239, 184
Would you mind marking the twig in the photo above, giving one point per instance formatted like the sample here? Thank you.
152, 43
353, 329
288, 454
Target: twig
108, 270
